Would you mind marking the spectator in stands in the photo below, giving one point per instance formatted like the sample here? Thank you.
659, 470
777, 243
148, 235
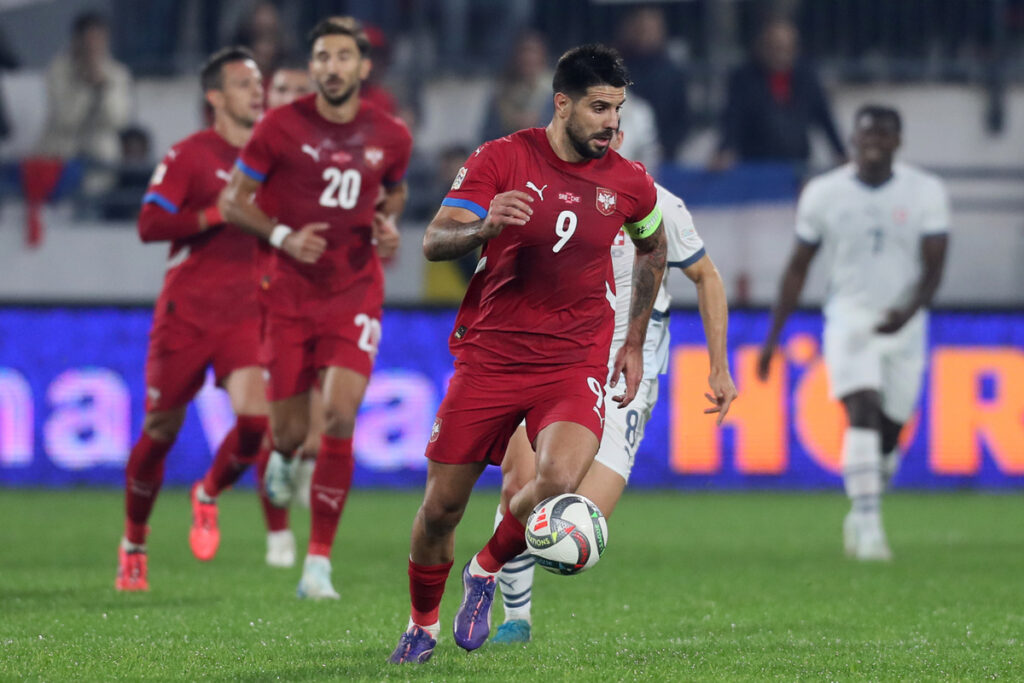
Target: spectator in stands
263, 32
88, 102
133, 175
656, 78
522, 96
373, 88
7, 61
772, 103
641, 143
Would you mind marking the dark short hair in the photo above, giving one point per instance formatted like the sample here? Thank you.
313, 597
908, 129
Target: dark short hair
342, 26
211, 76
589, 65
87, 20
291, 62
879, 111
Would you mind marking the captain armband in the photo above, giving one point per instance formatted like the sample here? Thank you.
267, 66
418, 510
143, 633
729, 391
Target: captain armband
645, 227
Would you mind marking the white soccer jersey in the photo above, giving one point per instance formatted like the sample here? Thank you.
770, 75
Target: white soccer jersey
684, 248
871, 235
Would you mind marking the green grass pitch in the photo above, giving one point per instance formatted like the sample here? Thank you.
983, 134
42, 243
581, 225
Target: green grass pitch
693, 586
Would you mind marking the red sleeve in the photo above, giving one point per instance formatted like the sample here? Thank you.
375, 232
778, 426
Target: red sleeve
157, 224
162, 216
396, 172
257, 157
479, 179
647, 196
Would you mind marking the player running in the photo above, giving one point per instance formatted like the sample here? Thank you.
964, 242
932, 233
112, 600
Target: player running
624, 429
318, 164
884, 226
206, 315
532, 335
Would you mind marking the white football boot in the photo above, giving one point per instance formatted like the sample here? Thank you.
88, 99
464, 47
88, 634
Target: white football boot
281, 549
277, 480
315, 583
871, 543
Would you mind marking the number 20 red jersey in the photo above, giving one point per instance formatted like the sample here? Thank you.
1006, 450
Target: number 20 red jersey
314, 170
543, 294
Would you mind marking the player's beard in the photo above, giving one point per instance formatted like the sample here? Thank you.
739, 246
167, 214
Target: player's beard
341, 99
581, 143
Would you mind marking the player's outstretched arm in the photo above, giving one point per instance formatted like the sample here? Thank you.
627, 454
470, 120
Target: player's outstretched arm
236, 206
933, 258
714, 312
648, 269
455, 231
790, 286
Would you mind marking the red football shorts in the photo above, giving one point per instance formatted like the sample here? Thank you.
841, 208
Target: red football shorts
480, 411
295, 349
180, 352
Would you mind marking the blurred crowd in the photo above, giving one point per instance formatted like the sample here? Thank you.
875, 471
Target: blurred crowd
764, 108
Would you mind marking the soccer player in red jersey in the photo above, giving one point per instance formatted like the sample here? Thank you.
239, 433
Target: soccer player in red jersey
318, 164
207, 313
532, 337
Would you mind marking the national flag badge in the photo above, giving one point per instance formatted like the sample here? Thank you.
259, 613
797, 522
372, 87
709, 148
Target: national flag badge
373, 156
606, 201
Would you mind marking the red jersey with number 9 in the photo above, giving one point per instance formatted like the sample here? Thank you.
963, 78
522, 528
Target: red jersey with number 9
543, 293
314, 170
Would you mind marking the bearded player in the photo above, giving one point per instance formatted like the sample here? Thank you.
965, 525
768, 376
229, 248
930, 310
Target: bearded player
206, 315
624, 429
532, 336
318, 164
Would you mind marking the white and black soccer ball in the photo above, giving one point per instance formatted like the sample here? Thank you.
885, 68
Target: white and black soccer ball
566, 534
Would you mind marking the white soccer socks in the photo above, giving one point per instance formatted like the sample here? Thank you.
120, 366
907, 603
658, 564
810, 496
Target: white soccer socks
863, 478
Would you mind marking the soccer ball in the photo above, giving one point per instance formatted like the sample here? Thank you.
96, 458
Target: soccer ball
566, 534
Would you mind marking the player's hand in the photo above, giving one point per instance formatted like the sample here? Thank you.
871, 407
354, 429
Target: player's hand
764, 361
629, 361
723, 393
385, 235
894, 320
507, 208
306, 245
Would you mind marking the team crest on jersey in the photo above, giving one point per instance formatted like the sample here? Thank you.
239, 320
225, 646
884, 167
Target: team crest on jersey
620, 238
606, 201
569, 197
457, 183
435, 431
373, 156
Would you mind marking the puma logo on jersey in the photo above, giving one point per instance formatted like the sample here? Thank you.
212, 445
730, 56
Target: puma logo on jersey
538, 190
312, 151
223, 175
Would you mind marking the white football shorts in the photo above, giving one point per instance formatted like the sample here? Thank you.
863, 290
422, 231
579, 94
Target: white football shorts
624, 427
858, 358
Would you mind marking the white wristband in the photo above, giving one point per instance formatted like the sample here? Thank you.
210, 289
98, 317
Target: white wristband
278, 235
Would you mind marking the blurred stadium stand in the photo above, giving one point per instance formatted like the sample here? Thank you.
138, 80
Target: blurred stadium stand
955, 68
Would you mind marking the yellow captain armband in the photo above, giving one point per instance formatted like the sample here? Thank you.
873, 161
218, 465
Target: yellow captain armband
644, 228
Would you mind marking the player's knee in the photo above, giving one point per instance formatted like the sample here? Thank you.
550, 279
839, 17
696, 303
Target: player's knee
163, 425
556, 483
287, 438
863, 409
440, 519
339, 423
510, 486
